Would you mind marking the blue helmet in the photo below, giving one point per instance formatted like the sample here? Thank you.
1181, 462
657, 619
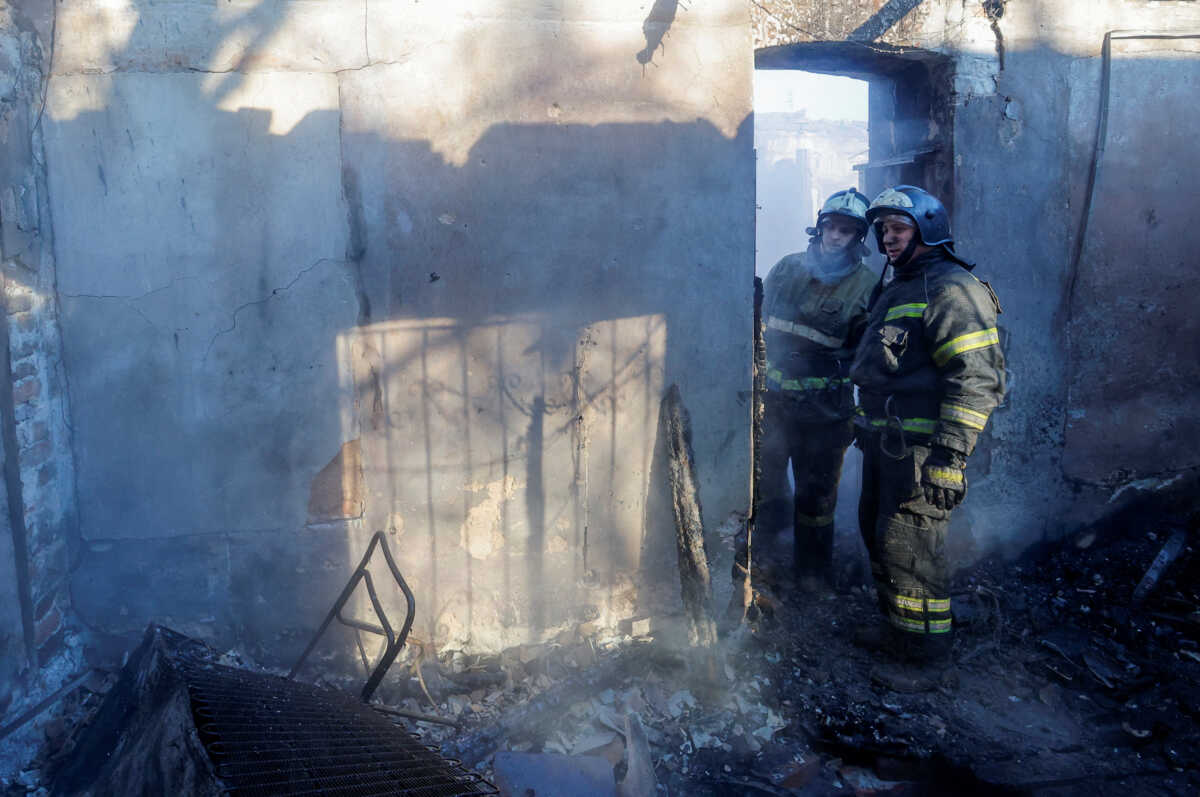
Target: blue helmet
926, 211
929, 214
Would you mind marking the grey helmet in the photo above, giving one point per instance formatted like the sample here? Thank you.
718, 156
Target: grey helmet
849, 203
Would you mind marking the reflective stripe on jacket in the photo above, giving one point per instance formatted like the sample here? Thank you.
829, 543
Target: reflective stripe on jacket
810, 328
930, 355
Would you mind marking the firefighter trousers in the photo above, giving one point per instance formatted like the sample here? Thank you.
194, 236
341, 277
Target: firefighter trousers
905, 537
816, 451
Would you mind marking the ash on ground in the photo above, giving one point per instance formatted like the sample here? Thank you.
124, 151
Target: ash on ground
1075, 671
1061, 683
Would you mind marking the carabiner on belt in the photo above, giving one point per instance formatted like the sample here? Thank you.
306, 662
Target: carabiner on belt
891, 419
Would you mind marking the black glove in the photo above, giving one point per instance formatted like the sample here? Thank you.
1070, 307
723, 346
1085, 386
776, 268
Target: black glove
942, 478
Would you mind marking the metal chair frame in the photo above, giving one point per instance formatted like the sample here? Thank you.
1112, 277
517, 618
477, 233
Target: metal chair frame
394, 641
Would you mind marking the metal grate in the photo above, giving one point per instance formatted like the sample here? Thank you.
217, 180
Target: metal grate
270, 735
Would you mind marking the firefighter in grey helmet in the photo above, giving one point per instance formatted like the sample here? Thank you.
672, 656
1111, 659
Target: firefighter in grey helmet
814, 307
929, 371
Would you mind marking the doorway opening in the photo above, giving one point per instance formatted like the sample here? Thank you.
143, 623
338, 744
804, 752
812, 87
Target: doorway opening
831, 116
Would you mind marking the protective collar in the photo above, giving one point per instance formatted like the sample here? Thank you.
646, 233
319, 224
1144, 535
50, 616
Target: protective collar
827, 270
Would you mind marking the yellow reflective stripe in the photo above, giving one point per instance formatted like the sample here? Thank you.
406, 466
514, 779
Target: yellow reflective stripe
813, 521
965, 343
942, 605
916, 425
947, 474
919, 425
914, 310
904, 623
919, 604
805, 331
918, 626
964, 415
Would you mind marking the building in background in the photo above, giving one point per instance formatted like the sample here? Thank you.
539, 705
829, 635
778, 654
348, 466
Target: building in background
810, 130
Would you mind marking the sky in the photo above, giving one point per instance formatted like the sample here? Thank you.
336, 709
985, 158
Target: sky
821, 96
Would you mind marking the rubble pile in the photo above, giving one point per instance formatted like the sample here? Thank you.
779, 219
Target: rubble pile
1075, 670
58, 731
1060, 683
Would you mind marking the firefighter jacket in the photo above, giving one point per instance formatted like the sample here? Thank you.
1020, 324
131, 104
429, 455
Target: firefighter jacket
930, 358
810, 328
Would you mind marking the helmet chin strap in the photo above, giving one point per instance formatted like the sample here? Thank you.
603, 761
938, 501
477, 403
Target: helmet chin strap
906, 255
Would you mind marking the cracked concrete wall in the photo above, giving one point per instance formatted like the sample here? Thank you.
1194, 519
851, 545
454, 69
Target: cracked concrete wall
332, 267
1101, 358
327, 268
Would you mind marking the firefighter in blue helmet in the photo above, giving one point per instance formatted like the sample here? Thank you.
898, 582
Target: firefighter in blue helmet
815, 305
929, 371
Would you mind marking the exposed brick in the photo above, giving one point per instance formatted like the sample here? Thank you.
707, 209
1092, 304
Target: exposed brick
20, 303
44, 605
24, 368
24, 349
46, 474
44, 628
25, 322
37, 454
44, 536
48, 564
30, 433
26, 390
54, 645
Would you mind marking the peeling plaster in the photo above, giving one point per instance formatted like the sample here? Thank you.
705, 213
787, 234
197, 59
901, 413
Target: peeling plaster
481, 535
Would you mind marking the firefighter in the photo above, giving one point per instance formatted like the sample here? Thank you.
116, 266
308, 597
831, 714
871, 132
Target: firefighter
815, 303
929, 371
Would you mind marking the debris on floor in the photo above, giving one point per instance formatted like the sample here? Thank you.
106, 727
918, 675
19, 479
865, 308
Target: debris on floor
1062, 681
1075, 671
179, 721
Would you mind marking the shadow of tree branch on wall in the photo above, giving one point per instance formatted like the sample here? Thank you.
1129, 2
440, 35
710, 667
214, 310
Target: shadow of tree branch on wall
245, 302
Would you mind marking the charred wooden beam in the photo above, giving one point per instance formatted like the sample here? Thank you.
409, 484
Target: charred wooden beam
694, 577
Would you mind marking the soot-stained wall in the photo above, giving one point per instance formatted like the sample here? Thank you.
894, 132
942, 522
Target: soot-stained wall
332, 268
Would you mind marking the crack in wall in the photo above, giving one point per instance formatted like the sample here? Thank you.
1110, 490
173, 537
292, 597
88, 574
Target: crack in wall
130, 297
356, 236
994, 10
366, 37
274, 292
232, 70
